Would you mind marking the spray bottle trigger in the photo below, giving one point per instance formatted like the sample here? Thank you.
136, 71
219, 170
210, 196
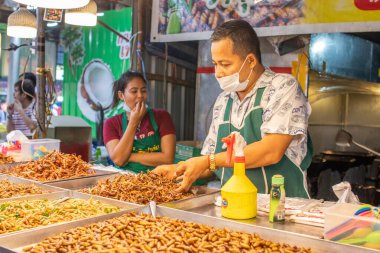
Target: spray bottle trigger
229, 141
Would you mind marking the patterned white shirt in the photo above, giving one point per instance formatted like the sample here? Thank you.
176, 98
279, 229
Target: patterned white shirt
286, 110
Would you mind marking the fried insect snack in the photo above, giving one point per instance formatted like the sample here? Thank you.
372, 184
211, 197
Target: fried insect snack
140, 188
143, 233
6, 159
18, 215
54, 166
9, 189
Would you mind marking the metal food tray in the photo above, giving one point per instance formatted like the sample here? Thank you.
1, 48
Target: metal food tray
16, 243
98, 173
4, 166
80, 183
124, 206
18, 180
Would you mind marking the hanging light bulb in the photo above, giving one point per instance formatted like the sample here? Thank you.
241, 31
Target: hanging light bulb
54, 4
84, 16
22, 24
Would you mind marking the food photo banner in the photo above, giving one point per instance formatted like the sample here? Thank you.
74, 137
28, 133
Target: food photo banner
181, 20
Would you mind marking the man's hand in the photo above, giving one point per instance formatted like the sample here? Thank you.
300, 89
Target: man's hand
168, 171
191, 170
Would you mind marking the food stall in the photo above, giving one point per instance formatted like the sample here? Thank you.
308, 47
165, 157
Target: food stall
123, 210
54, 200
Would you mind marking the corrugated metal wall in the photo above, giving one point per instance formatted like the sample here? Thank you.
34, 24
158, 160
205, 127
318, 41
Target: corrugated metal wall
178, 98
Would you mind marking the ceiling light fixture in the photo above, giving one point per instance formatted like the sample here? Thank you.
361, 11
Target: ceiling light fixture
22, 24
52, 24
55, 4
84, 16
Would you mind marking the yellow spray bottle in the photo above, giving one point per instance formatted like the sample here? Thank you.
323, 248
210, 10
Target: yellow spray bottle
239, 194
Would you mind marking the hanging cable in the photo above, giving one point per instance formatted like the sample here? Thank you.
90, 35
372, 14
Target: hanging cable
165, 73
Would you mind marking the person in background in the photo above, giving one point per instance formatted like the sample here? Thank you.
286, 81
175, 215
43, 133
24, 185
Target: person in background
269, 110
3, 114
30, 76
20, 113
140, 138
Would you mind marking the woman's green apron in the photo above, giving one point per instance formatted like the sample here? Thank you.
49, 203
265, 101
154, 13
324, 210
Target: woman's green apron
295, 179
148, 144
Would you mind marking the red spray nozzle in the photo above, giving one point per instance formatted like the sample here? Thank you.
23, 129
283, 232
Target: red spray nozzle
229, 141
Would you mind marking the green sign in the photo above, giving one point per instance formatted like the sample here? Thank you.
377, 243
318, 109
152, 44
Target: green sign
94, 58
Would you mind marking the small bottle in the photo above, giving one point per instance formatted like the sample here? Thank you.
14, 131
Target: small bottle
277, 199
98, 155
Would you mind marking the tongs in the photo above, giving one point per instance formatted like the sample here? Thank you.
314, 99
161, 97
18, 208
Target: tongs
60, 200
153, 208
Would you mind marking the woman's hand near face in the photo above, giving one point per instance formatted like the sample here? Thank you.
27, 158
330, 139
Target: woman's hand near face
11, 109
138, 113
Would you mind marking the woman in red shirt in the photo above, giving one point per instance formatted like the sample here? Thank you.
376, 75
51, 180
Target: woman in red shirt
140, 138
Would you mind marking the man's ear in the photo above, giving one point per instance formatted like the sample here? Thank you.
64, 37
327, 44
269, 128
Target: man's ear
252, 60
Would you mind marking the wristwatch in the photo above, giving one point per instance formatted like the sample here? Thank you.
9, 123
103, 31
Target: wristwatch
212, 162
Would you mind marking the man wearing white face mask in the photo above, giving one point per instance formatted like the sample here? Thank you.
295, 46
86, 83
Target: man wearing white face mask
268, 109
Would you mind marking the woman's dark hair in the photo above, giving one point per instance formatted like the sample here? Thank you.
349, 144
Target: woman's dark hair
26, 87
122, 83
243, 36
30, 76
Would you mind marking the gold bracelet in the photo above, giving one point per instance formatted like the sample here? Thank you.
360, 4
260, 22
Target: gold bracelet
212, 162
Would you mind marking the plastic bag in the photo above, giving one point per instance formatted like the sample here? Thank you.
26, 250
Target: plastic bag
16, 135
344, 193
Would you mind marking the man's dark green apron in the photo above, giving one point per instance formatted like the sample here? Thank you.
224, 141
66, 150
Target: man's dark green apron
295, 181
148, 144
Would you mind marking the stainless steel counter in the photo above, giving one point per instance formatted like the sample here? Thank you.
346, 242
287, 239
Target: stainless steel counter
205, 206
262, 221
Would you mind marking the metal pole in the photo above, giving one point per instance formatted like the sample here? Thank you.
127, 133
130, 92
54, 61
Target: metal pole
41, 75
140, 37
14, 65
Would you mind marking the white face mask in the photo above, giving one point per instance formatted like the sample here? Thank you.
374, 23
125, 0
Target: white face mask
232, 83
128, 109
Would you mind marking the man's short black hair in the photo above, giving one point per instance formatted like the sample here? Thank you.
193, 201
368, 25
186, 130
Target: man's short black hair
243, 36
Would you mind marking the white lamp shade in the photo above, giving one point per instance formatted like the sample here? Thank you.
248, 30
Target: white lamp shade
21, 32
55, 4
84, 16
22, 24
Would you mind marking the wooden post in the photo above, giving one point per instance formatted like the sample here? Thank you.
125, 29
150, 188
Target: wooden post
138, 24
41, 75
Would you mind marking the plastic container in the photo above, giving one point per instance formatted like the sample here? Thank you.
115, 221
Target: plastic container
187, 149
34, 149
341, 225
